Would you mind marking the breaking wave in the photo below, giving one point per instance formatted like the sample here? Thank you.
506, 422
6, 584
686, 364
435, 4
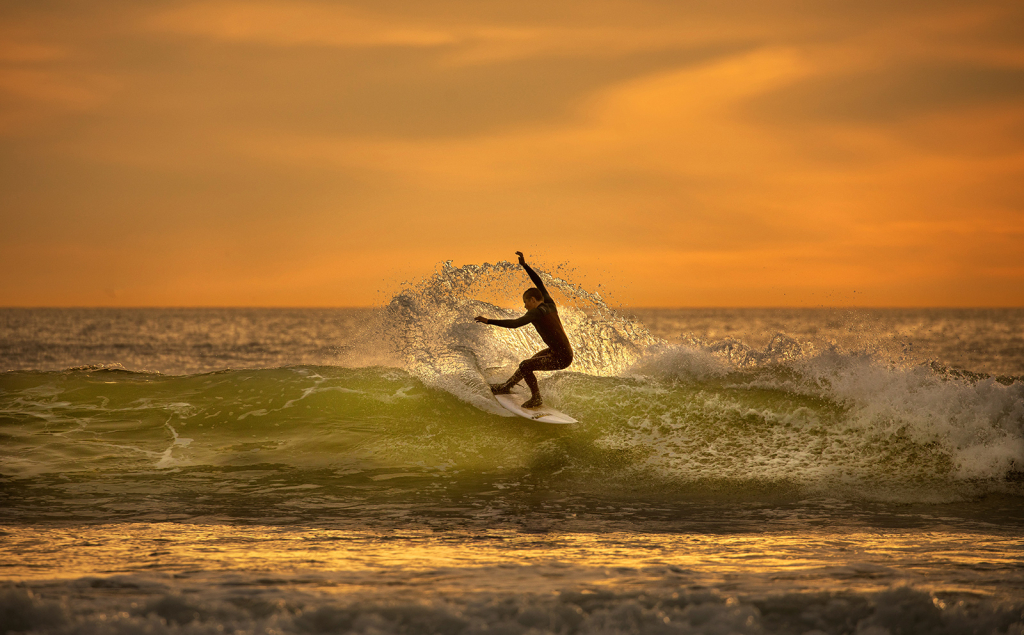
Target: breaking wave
657, 420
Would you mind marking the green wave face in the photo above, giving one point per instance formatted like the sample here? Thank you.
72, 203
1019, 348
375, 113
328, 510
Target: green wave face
322, 438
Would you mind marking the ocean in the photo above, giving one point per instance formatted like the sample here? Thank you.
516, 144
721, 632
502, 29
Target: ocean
346, 471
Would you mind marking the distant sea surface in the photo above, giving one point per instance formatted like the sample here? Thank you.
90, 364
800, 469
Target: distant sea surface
346, 471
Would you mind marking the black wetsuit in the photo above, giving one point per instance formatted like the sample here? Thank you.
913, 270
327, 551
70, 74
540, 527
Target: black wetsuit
557, 355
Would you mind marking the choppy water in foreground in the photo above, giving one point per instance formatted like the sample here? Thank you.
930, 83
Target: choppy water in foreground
322, 471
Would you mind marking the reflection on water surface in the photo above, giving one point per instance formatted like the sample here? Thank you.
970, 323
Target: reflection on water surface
424, 562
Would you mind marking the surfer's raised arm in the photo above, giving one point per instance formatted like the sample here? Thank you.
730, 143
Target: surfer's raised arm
535, 278
532, 299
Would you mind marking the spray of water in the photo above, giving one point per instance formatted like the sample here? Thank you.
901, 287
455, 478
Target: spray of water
431, 326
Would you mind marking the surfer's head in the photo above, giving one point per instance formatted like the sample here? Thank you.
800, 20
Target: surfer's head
532, 298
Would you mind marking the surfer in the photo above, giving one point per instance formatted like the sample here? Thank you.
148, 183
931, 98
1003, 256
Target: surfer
543, 314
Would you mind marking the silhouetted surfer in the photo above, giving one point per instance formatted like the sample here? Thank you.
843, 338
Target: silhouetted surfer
543, 314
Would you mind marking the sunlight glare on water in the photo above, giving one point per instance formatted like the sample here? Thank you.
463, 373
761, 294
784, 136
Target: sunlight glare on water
366, 562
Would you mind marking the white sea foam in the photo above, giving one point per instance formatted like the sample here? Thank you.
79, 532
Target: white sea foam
129, 605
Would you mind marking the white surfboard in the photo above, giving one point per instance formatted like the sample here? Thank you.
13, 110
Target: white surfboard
544, 414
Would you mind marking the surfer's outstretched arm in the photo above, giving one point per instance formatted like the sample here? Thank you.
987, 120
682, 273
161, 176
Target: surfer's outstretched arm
528, 318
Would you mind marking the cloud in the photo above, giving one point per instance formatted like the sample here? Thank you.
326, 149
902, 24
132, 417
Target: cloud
291, 24
890, 94
12, 50
468, 33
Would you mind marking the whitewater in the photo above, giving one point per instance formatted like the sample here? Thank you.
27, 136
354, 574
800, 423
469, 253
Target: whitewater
321, 471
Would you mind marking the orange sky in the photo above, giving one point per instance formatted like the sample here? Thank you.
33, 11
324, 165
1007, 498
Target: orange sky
726, 153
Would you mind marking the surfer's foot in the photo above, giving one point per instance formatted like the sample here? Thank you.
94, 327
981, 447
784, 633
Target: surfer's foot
534, 402
501, 389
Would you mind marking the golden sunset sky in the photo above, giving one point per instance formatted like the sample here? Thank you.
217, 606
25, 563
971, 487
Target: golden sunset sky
705, 153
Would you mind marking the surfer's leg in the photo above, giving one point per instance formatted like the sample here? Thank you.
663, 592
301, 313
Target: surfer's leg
545, 360
535, 400
541, 361
531, 381
506, 388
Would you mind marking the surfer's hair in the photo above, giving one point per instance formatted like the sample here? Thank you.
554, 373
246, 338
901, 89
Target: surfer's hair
533, 292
